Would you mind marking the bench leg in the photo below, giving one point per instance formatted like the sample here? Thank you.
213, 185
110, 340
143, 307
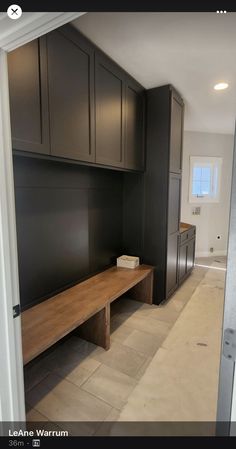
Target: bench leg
143, 291
97, 328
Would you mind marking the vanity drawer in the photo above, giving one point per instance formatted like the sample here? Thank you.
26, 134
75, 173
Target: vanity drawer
187, 235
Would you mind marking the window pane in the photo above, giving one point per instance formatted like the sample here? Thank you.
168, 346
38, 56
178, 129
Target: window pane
205, 188
196, 188
197, 173
206, 174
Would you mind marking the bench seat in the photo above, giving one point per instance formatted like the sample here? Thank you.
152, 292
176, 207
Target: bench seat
86, 305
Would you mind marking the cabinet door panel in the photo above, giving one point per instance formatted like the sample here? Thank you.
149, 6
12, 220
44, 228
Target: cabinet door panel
176, 132
174, 203
70, 69
134, 139
191, 254
172, 263
27, 68
183, 251
109, 104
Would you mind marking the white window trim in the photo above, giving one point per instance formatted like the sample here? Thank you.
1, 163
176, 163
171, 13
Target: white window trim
214, 161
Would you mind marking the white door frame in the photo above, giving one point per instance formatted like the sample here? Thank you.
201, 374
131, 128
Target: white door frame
13, 34
226, 409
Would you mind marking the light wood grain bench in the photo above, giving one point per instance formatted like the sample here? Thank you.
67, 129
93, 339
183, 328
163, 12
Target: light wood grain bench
86, 305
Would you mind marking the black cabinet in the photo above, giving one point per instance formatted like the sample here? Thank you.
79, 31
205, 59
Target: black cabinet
109, 112
176, 133
71, 95
119, 116
174, 196
27, 69
183, 253
135, 123
186, 251
172, 264
191, 255
63, 86
162, 188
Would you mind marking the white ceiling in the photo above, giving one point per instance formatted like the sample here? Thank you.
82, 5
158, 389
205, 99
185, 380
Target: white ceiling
30, 25
192, 51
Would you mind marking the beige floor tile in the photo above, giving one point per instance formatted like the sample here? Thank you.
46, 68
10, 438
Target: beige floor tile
80, 428
105, 427
73, 365
75, 343
143, 342
60, 400
128, 308
182, 296
121, 358
198, 273
127, 305
110, 385
206, 261
155, 428
147, 324
34, 415
181, 381
119, 331
143, 368
35, 372
165, 312
37, 421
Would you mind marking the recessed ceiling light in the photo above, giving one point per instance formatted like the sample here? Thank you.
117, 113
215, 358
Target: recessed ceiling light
221, 86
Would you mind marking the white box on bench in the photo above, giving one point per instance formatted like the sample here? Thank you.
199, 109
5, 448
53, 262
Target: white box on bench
127, 261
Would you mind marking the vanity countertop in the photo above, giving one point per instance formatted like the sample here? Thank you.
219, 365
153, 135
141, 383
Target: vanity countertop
185, 227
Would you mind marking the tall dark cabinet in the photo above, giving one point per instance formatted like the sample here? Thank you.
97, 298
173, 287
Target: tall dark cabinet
162, 187
134, 125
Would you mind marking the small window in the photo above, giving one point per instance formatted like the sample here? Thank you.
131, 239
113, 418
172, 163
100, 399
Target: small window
205, 174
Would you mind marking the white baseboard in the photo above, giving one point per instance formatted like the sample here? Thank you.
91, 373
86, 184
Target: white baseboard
209, 254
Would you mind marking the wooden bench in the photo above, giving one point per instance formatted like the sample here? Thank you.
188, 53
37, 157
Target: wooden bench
86, 305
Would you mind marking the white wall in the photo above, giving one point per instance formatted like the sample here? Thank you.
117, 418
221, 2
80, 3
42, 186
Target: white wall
214, 218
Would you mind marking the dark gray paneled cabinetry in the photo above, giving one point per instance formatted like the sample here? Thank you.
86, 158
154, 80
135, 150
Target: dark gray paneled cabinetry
134, 125
186, 251
27, 68
71, 95
162, 187
64, 87
110, 108
173, 220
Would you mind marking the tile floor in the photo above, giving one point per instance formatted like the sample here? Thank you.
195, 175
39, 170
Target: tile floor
162, 364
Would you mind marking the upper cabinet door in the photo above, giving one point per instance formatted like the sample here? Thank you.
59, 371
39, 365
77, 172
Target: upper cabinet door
176, 134
109, 112
27, 68
71, 95
135, 121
